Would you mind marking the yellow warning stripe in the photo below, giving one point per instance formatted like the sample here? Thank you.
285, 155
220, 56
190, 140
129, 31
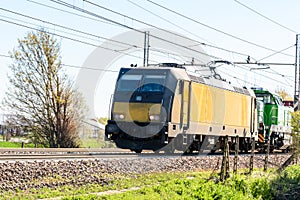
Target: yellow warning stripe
261, 138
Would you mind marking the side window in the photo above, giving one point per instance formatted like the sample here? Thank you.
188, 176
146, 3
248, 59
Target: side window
267, 99
180, 87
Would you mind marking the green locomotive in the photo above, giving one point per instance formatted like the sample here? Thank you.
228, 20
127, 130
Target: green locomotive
273, 121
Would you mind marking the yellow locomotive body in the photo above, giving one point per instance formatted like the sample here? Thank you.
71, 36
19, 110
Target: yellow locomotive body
169, 108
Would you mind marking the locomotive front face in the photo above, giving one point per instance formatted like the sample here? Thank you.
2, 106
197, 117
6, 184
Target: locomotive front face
274, 120
139, 108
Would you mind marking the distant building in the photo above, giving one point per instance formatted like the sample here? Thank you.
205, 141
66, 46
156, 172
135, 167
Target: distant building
8, 128
289, 101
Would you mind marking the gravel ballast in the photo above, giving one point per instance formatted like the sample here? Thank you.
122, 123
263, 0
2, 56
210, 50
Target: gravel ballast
37, 174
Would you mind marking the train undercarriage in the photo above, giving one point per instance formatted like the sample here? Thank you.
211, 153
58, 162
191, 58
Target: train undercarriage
189, 143
186, 143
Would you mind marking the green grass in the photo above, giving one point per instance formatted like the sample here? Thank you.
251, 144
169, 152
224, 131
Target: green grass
118, 182
189, 185
85, 143
4, 144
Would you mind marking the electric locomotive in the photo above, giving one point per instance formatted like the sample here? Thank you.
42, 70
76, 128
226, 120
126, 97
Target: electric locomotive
274, 121
167, 107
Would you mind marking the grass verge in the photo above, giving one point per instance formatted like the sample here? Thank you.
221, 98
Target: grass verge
5, 144
189, 185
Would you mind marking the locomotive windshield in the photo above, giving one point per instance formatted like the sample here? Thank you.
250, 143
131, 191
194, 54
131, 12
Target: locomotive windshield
153, 83
129, 82
269, 99
142, 83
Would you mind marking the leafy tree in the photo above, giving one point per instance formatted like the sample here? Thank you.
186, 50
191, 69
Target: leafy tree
40, 94
295, 123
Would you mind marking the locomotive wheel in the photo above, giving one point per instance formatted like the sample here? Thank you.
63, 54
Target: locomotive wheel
138, 150
170, 149
213, 151
287, 150
189, 150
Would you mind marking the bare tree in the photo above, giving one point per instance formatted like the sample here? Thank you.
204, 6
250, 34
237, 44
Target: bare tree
283, 94
40, 94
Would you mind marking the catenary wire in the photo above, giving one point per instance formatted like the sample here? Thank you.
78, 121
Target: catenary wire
76, 40
276, 53
267, 18
100, 20
97, 36
75, 30
114, 50
153, 26
215, 29
74, 66
71, 29
128, 27
72, 13
271, 78
199, 43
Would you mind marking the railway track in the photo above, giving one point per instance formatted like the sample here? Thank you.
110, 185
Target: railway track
32, 154
58, 150
17, 154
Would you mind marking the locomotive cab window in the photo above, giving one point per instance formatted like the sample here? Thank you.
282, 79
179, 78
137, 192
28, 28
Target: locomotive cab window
129, 82
266, 98
153, 83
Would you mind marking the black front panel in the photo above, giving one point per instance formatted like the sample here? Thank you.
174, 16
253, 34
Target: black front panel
136, 85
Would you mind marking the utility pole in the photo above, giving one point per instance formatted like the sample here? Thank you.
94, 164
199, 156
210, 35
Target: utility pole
146, 48
297, 75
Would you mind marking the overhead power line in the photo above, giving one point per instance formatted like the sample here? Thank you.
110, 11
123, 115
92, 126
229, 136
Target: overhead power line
128, 27
169, 21
71, 29
78, 31
276, 53
215, 29
103, 21
257, 63
69, 38
5, 56
167, 31
174, 24
148, 24
89, 68
169, 53
263, 75
79, 40
267, 18
72, 13
74, 66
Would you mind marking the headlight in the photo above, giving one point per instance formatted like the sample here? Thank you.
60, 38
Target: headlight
119, 116
154, 117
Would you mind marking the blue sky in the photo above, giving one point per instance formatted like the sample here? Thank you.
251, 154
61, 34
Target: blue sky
225, 15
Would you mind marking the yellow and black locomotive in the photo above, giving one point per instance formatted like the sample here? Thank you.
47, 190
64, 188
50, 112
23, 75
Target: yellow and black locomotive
166, 107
